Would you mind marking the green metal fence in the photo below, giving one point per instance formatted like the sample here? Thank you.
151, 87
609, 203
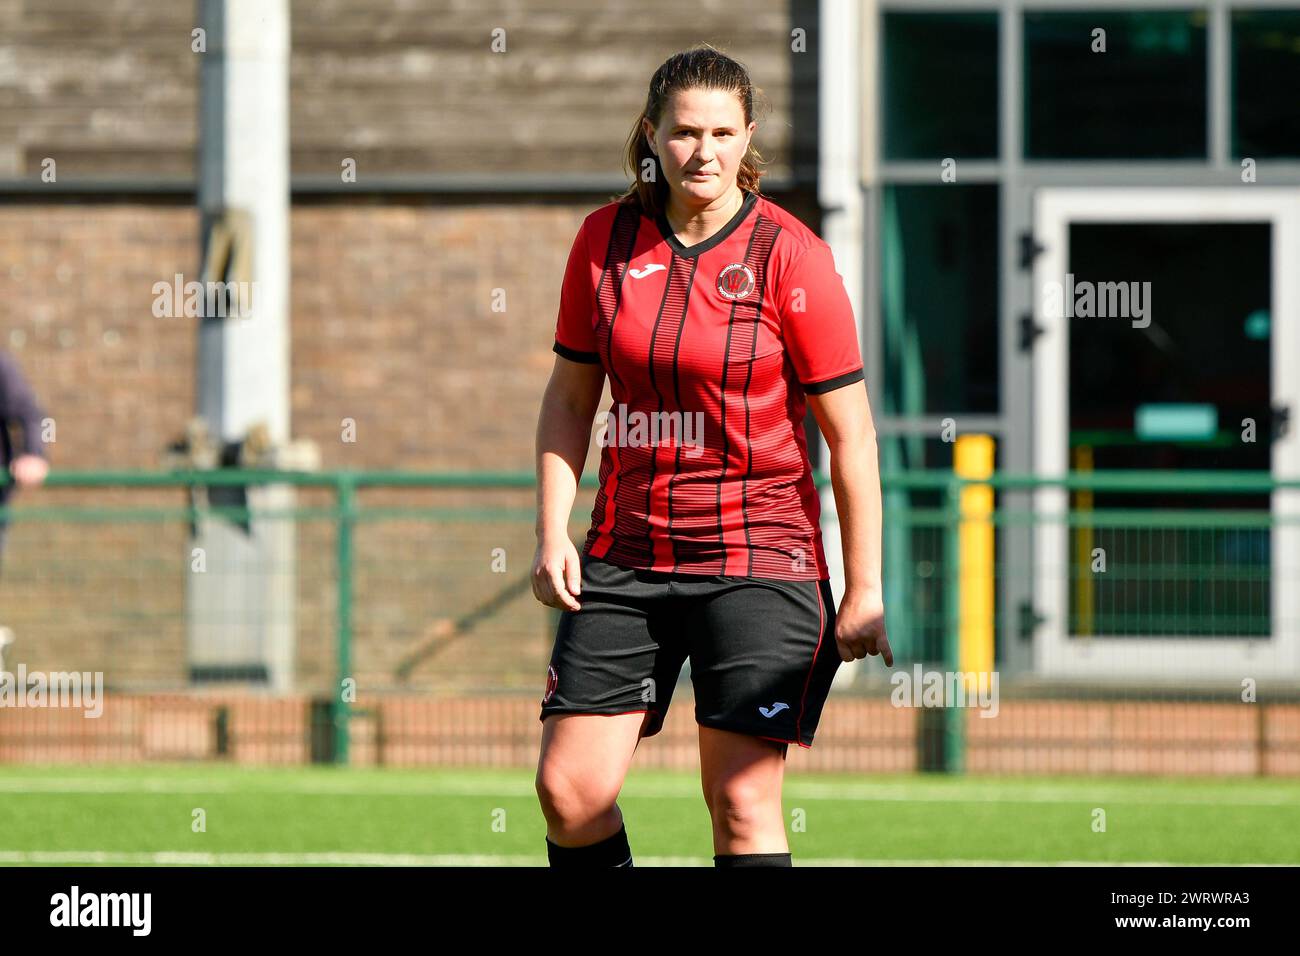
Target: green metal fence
417, 583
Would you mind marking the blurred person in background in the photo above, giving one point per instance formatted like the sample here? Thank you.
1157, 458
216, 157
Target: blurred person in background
25, 463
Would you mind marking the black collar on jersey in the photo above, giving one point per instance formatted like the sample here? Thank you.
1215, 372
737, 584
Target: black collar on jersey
687, 252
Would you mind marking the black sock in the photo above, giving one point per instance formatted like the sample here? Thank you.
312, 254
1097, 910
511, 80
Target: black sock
752, 859
611, 851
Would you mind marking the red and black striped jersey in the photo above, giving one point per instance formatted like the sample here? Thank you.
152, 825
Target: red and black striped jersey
709, 350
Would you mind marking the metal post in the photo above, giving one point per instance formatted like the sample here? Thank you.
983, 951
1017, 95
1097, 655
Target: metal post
346, 498
954, 726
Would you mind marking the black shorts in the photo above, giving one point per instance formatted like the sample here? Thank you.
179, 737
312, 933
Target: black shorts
762, 651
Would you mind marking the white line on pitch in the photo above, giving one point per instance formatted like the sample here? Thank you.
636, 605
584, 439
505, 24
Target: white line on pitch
794, 790
177, 858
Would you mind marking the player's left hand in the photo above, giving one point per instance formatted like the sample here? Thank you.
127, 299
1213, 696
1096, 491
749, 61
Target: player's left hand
29, 470
860, 628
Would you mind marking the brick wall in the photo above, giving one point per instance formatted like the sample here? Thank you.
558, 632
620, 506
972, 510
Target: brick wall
75, 312
392, 327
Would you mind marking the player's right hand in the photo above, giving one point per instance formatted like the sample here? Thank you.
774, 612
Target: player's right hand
557, 574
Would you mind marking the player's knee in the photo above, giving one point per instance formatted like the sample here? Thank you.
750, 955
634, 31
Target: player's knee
738, 805
570, 804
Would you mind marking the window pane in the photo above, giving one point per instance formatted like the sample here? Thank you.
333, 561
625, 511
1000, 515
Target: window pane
941, 85
1265, 81
1143, 98
939, 309
1199, 344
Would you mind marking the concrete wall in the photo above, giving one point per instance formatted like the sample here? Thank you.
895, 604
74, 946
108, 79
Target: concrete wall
109, 88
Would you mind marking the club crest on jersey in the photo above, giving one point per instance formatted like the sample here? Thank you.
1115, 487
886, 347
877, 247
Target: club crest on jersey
735, 281
552, 679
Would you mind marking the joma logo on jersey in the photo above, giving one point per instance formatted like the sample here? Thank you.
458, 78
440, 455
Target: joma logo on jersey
735, 281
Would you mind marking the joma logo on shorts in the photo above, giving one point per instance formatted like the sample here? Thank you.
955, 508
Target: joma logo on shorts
774, 709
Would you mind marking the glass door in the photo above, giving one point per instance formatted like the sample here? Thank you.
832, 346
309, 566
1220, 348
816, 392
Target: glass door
1170, 342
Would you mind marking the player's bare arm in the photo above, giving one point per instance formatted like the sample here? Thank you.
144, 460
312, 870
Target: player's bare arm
844, 416
563, 435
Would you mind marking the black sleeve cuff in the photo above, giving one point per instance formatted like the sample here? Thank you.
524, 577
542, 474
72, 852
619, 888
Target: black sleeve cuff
573, 355
830, 384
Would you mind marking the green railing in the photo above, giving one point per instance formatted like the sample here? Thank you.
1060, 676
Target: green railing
932, 516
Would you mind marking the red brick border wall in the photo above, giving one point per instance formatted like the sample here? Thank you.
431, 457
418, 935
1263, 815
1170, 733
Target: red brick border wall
858, 735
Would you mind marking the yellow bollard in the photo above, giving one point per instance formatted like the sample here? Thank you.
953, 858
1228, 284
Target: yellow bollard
973, 458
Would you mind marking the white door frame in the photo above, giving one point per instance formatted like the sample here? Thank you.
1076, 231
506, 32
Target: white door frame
1156, 658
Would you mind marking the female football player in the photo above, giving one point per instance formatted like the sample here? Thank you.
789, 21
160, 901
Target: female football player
718, 318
